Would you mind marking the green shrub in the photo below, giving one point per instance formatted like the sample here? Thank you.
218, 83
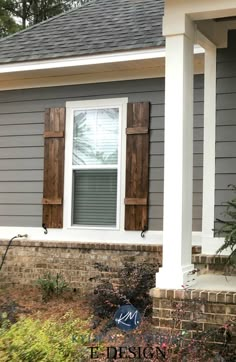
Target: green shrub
5, 323
51, 285
51, 341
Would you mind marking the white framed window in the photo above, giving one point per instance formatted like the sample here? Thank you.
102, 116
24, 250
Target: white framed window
93, 153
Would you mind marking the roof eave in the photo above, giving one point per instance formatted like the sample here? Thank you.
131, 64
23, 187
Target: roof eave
114, 57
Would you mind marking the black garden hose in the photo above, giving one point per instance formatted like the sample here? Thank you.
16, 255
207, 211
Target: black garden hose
8, 246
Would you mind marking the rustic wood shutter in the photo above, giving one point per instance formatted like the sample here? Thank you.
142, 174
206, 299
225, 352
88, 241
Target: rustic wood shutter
137, 160
54, 150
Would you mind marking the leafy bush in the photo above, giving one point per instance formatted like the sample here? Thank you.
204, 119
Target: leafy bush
5, 323
51, 285
228, 230
50, 341
132, 287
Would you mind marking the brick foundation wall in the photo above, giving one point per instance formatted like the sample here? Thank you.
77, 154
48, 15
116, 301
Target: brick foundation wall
28, 260
195, 311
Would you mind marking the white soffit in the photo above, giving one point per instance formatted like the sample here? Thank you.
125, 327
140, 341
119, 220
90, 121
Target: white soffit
89, 60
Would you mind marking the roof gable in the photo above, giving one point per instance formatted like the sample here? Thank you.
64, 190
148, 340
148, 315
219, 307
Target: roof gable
101, 26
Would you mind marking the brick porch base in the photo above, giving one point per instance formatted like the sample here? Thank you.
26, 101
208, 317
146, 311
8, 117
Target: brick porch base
195, 311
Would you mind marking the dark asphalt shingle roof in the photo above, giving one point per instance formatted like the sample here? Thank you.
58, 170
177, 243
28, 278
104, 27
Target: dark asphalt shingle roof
101, 26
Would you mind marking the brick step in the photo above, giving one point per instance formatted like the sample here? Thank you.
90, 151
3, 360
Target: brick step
212, 264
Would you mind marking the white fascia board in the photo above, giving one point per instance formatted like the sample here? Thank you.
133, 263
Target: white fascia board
88, 60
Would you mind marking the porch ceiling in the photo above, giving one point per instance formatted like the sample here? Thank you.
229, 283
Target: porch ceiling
213, 18
216, 30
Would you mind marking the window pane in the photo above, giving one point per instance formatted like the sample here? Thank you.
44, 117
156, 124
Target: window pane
95, 136
95, 197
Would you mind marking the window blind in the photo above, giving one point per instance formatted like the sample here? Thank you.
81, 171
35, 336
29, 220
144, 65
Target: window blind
95, 197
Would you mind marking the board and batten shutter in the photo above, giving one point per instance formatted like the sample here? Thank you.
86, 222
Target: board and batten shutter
54, 150
137, 165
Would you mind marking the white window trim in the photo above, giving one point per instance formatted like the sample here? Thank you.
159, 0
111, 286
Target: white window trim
120, 103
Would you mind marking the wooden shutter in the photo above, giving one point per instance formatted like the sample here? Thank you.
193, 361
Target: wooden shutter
54, 150
137, 159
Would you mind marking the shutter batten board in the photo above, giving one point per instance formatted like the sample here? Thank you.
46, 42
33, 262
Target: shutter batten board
137, 166
51, 134
54, 149
52, 202
137, 130
136, 201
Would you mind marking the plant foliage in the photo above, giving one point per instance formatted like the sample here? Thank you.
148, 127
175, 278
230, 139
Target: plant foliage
52, 285
132, 287
178, 340
33, 340
228, 230
18, 14
8, 24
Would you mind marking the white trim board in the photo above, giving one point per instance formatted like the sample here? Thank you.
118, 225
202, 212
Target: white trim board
108, 237
90, 236
85, 78
34, 81
89, 60
208, 201
71, 106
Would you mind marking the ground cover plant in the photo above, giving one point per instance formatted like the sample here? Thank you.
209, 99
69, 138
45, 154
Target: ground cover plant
48, 333
31, 339
51, 285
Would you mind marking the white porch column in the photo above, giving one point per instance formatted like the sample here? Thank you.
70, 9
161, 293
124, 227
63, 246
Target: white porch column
177, 232
208, 213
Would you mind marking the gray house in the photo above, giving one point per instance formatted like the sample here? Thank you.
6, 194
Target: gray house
93, 104
62, 61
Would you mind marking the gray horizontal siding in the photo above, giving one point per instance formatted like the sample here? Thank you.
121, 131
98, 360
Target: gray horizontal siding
19, 220
21, 145
22, 186
20, 118
21, 210
225, 126
224, 149
21, 130
21, 164
22, 141
21, 152
21, 175
8, 198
